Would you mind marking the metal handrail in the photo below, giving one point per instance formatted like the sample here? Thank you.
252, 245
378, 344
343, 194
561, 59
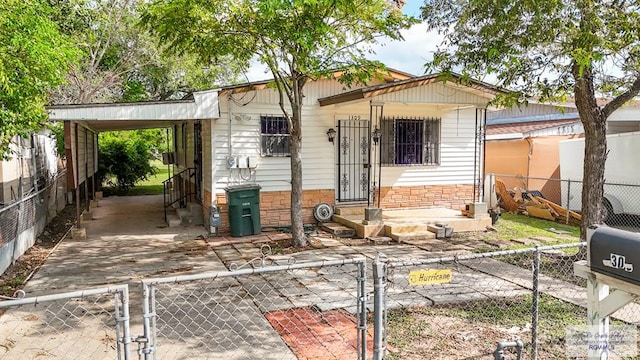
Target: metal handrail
179, 189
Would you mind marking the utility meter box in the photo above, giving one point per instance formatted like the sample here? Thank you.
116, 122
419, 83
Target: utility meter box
615, 253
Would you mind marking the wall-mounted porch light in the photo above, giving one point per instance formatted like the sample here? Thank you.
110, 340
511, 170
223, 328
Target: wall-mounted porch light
376, 135
331, 135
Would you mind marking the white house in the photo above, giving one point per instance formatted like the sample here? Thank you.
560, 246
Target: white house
401, 142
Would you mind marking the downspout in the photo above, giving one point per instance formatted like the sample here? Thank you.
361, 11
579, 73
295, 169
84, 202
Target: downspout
484, 153
529, 155
229, 126
475, 156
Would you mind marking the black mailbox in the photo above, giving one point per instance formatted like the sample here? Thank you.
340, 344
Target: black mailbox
615, 253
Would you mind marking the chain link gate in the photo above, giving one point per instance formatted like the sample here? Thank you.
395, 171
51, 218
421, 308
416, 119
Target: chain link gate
286, 311
87, 324
504, 304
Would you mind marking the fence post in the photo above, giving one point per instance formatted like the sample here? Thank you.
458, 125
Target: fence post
15, 240
362, 311
148, 334
535, 304
568, 199
126, 332
379, 278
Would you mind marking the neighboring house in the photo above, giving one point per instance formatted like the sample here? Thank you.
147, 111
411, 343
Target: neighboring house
32, 162
524, 142
625, 119
29, 196
417, 136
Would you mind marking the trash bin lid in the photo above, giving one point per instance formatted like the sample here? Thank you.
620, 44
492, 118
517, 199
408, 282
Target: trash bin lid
240, 187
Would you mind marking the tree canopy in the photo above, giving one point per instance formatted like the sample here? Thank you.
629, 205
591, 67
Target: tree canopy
120, 62
34, 57
298, 40
554, 50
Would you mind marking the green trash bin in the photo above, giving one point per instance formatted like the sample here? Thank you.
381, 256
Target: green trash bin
244, 209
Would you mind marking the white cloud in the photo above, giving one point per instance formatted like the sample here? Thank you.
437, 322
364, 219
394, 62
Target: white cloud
411, 54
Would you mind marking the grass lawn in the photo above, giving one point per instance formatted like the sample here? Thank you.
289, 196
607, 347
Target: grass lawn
150, 186
514, 226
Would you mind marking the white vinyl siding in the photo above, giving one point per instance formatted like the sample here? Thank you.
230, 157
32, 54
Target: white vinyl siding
272, 173
455, 108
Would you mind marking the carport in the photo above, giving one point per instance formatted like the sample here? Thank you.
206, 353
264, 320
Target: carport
83, 123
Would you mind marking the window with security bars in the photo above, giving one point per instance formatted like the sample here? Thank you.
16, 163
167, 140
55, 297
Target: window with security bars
410, 141
274, 134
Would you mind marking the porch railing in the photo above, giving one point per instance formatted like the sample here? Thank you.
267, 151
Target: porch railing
179, 189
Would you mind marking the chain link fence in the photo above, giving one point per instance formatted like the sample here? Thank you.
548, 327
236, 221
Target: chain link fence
23, 221
485, 306
88, 324
621, 203
290, 311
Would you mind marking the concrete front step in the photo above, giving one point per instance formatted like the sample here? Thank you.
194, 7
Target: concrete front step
173, 220
350, 210
355, 222
338, 230
190, 215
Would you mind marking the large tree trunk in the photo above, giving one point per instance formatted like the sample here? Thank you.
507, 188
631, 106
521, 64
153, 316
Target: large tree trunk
295, 146
594, 122
595, 154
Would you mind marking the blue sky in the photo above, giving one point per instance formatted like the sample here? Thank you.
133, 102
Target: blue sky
408, 55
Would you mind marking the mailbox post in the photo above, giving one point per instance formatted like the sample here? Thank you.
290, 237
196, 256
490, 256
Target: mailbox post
611, 255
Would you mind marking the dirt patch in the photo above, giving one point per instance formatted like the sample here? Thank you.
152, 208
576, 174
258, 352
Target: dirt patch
287, 246
16, 276
447, 333
191, 248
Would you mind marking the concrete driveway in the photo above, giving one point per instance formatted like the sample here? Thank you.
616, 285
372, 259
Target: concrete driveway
126, 241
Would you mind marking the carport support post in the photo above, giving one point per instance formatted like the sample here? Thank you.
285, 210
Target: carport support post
379, 278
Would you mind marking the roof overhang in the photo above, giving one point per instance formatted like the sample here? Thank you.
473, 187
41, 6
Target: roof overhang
511, 136
140, 115
473, 86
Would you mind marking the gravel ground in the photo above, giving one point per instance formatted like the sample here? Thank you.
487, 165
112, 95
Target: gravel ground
17, 275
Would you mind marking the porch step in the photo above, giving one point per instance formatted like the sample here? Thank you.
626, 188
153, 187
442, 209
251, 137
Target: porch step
406, 228
350, 210
190, 215
339, 230
173, 220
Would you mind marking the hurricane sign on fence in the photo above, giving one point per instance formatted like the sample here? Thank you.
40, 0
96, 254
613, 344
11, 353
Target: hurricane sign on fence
428, 277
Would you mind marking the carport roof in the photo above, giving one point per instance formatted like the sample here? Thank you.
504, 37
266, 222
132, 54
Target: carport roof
139, 115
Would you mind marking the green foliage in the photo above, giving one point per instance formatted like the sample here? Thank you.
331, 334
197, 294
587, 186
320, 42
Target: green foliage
551, 50
532, 46
34, 57
58, 133
123, 64
125, 156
